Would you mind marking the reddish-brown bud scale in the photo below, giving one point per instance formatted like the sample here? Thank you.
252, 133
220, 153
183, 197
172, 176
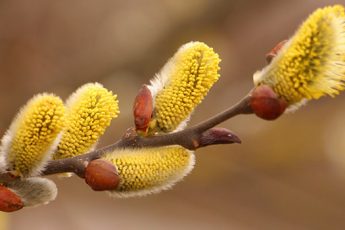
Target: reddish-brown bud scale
9, 201
266, 104
142, 109
101, 175
217, 135
275, 51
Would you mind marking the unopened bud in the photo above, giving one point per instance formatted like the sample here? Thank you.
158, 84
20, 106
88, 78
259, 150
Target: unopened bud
217, 135
9, 201
142, 109
101, 175
266, 104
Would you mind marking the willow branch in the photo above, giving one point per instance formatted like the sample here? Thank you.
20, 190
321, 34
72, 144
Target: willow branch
198, 136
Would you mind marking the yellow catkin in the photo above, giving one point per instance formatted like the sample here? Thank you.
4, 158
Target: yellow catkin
312, 63
147, 170
183, 83
33, 134
89, 112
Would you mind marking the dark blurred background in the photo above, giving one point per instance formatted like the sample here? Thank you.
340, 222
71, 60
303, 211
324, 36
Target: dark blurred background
287, 174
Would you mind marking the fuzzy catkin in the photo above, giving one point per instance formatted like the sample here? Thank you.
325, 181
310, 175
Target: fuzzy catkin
182, 84
148, 170
89, 112
311, 64
33, 135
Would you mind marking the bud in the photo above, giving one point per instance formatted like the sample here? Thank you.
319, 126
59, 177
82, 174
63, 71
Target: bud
142, 109
217, 135
9, 201
33, 135
149, 170
101, 175
181, 85
311, 64
266, 104
89, 112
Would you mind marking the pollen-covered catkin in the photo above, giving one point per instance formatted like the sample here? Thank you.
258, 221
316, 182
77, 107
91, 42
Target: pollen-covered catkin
33, 135
311, 64
149, 170
181, 85
89, 112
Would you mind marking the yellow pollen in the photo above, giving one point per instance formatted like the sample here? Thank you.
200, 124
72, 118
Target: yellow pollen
34, 131
89, 112
147, 169
191, 73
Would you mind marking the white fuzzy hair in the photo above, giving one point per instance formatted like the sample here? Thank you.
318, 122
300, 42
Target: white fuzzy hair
34, 191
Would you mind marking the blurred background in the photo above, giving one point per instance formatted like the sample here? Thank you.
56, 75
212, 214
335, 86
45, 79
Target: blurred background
287, 174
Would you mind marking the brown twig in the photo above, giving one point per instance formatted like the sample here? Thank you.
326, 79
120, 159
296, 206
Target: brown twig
200, 135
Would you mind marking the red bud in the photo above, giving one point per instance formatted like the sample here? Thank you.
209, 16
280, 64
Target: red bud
142, 109
9, 201
101, 175
217, 135
275, 51
266, 104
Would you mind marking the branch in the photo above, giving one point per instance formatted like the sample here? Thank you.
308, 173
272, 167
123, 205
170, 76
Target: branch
200, 135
